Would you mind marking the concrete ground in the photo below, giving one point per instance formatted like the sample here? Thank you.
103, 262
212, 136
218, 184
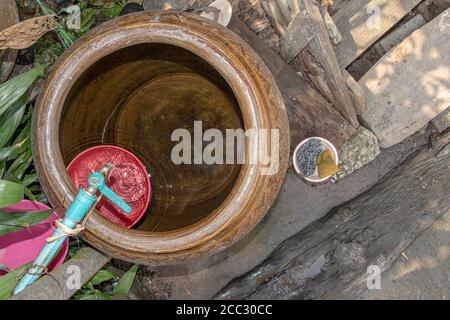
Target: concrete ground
297, 206
423, 270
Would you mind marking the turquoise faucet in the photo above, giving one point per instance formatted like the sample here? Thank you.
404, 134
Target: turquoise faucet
76, 212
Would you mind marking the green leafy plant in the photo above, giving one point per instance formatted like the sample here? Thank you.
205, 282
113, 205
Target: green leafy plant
3, 267
9, 281
14, 89
10, 193
113, 9
125, 283
16, 177
66, 38
90, 9
120, 287
13, 221
75, 244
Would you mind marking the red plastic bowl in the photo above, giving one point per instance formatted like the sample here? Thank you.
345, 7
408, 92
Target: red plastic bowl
128, 179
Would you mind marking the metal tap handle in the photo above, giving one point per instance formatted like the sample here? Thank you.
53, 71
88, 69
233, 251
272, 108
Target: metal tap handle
83, 202
96, 180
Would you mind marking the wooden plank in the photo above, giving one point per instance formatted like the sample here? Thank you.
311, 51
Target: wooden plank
333, 31
53, 286
357, 22
430, 8
309, 114
278, 21
284, 16
329, 259
409, 86
320, 47
297, 36
442, 121
400, 34
308, 30
254, 16
356, 92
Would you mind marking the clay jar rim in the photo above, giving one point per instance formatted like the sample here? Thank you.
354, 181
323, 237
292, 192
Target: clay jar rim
252, 85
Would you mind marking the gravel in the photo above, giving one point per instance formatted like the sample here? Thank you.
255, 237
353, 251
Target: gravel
307, 155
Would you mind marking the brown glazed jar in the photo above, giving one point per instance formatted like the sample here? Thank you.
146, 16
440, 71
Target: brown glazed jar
130, 82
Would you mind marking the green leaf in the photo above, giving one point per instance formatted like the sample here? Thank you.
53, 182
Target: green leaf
9, 281
11, 178
3, 267
101, 296
10, 193
27, 115
87, 294
29, 194
112, 10
90, 296
13, 221
30, 179
87, 19
126, 281
15, 88
90, 286
35, 188
2, 168
26, 131
15, 149
84, 294
66, 38
96, 295
101, 276
41, 198
20, 165
11, 120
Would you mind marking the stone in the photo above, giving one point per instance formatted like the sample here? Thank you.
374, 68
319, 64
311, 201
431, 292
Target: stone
359, 150
409, 86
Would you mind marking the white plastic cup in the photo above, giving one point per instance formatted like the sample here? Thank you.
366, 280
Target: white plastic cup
326, 145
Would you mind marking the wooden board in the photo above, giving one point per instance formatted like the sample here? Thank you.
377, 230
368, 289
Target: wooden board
399, 34
301, 27
329, 259
53, 286
442, 121
309, 114
355, 22
320, 47
410, 85
297, 36
356, 92
430, 8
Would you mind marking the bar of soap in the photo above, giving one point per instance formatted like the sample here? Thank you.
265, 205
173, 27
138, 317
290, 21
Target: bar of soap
326, 165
